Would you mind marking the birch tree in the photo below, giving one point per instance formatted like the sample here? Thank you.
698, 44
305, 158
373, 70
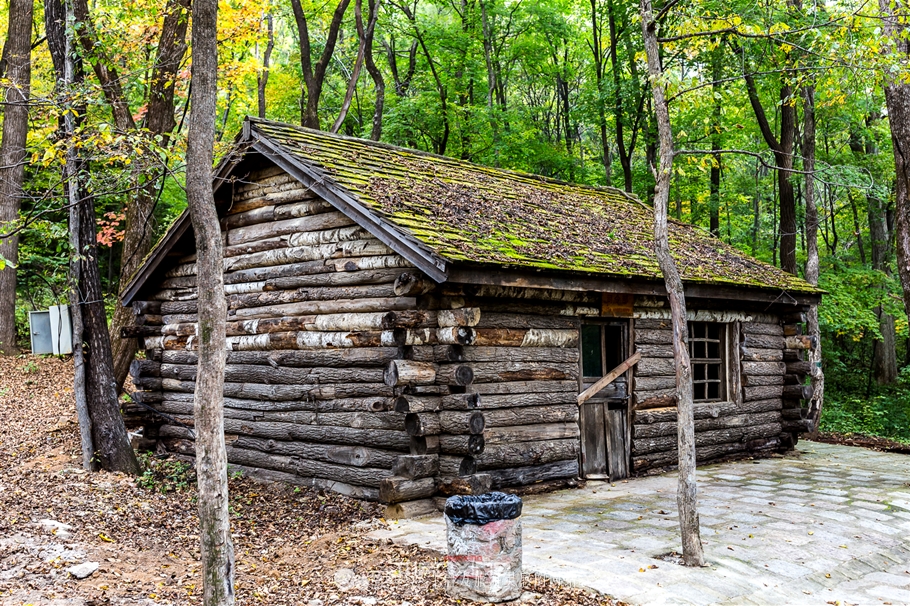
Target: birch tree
208, 409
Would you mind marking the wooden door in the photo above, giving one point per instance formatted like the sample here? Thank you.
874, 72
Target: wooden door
603, 418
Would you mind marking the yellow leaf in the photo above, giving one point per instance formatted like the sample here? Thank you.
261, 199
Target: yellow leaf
105, 538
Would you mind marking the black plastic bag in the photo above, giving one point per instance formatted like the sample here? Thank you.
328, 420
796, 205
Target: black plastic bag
482, 509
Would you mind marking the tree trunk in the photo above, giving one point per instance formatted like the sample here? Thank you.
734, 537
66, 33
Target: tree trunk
714, 197
366, 38
314, 74
211, 456
897, 97
17, 59
160, 121
686, 492
815, 354
67, 73
375, 74
262, 78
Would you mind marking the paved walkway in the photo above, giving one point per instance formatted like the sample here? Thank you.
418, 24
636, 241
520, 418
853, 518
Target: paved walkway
829, 525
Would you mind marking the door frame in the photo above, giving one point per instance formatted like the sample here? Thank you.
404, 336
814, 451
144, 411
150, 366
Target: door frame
627, 327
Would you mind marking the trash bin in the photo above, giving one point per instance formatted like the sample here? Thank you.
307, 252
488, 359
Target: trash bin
483, 533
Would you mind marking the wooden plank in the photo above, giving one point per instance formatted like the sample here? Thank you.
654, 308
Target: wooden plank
617, 454
593, 439
608, 378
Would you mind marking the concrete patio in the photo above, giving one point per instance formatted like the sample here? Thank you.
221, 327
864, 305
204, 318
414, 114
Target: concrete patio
830, 524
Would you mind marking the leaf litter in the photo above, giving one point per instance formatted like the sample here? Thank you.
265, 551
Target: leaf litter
293, 545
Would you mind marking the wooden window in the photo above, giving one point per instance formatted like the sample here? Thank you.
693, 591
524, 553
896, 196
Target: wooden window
707, 348
602, 349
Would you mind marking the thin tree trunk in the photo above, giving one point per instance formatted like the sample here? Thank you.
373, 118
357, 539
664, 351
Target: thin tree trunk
812, 266
375, 74
160, 121
714, 197
211, 455
625, 155
262, 78
686, 492
366, 37
897, 98
17, 59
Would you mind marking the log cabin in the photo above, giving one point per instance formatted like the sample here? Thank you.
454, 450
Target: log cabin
403, 325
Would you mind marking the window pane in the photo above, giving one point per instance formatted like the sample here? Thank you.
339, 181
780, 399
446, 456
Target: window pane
713, 350
591, 360
613, 346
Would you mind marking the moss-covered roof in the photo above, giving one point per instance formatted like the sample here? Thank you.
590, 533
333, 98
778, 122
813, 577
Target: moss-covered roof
470, 213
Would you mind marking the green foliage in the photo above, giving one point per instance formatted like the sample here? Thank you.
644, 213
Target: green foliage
165, 475
884, 415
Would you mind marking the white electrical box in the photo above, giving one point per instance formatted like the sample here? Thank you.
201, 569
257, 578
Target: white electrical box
51, 330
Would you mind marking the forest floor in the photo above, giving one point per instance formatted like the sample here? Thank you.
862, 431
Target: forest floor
293, 546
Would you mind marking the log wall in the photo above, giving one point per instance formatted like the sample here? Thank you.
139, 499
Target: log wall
349, 370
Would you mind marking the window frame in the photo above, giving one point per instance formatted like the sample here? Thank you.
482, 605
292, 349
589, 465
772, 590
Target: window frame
727, 362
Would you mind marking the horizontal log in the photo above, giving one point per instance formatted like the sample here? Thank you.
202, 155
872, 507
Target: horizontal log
415, 467
798, 392
795, 317
254, 391
642, 446
757, 380
461, 444
794, 414
797, 426
529, 433
798, 368
655, 367
496, 372
515, 387
670, 457
341, 306
264, 214
363, 404
140, 330
526, 306
792, 330
801, 342
408, 372
492, 402
653, 430
248, 373
145, 368
422, 445
762, 392
706, 410
647, 401
455, 374
456, 353
460, 401
457, 422
763, 368
292, 479
451, 466
318, 222
422, 424
762, 341
647, 350
360, 476
411, 403
794, 355
653, 337
466, 316
757, 328
523, 476
412, 284
384, 299
524, 321
761, 355
532, 337
523, 454
355, 456
475, 484
358, 357
146, 307
655, 383
337, 279
395, 489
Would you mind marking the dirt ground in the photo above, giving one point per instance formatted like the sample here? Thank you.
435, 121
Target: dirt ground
292, 546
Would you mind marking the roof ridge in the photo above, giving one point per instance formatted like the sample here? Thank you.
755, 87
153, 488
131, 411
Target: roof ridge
458, 161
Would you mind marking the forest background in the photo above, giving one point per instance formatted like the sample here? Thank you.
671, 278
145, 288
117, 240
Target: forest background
552, 87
